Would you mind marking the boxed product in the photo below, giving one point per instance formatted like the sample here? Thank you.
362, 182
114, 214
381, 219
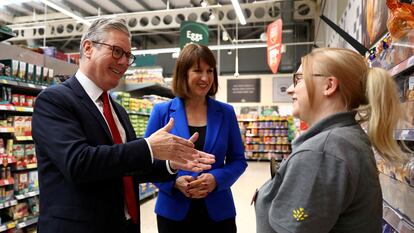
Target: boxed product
409, 92
30, 73
21, 182
10, 68
33, 184
38, 74
19, 211
34, 205
19, 154
22, 71
29, 153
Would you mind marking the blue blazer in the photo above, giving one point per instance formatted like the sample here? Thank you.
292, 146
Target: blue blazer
80, 168
223, 140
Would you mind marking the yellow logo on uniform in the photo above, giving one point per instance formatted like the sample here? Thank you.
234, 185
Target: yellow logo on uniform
300, 214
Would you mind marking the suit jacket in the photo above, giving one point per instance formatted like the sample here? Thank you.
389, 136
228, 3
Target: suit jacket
223, 140
80, 168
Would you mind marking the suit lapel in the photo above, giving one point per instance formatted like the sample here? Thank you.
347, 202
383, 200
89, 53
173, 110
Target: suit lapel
89, 104
177, 111
214, 121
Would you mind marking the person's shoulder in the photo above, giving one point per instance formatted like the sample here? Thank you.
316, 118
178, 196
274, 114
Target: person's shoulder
57, 90
225, 106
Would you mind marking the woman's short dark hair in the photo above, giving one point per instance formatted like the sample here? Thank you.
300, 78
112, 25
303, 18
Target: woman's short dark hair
192, 54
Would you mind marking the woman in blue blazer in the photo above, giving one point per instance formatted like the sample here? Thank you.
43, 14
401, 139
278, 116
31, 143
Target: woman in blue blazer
199, 202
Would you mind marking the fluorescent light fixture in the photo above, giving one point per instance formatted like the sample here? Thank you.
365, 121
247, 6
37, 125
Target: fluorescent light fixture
66, 12
220, 47
239, 12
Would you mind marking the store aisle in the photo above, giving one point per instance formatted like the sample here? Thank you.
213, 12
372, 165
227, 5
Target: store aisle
256, 174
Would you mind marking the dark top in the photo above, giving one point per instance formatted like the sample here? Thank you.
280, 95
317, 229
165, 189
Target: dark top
199, 144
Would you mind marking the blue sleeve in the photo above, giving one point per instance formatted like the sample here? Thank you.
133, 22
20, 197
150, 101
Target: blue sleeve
235, 163
156, 122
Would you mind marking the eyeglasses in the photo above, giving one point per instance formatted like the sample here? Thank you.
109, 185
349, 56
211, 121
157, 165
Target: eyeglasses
298, 77
118, 52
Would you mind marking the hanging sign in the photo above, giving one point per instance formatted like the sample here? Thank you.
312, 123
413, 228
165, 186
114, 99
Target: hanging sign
274, 45
192, 32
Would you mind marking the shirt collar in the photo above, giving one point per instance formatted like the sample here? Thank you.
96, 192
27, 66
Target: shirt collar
341, 119
93, 91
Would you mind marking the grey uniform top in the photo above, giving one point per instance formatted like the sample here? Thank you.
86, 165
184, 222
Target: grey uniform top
328, 184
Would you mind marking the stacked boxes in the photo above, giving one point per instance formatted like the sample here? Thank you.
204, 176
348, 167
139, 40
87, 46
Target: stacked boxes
26, 72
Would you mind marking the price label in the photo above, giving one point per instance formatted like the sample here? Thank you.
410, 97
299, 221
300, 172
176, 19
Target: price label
6, 182
4, 81
11, 225
32, 85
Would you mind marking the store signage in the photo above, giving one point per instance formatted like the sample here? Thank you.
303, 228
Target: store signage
274, 45
243, 90
280, 86
192, 32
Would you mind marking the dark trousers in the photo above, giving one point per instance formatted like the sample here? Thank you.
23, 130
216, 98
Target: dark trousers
197, 220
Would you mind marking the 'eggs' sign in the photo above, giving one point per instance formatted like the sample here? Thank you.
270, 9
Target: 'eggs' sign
192, 32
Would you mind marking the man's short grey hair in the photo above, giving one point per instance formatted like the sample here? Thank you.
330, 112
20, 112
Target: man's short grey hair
100, 27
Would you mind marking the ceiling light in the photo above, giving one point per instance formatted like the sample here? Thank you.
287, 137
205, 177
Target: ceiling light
225, 36
203, 3
66, 12
239, 12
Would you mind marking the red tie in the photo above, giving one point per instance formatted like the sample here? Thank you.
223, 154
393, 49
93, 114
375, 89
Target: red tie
130, 199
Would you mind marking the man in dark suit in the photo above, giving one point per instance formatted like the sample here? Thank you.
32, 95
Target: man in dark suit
85, 144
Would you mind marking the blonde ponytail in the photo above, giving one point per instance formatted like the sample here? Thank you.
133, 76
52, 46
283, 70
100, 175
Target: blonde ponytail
384, 112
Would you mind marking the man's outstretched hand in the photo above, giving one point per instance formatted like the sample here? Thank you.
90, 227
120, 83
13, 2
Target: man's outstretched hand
179, 151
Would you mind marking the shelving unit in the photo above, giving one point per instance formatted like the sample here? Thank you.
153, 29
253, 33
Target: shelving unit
129, 94
265, 137
19, 196
398, 194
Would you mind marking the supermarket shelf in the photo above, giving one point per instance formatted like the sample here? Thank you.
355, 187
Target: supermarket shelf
263, 159
27, 195
398, 195
8, 181
10, 159
5, 34
403, 66
138, 113
145, 195
250, 120
7, 204
17, 224
266, 128
396, 220
10, 107
27, 167
8, 81
266, 135
7, 226
6, 130
149, 88
268, 151
26, 223
24, 138
266, 143
404, 134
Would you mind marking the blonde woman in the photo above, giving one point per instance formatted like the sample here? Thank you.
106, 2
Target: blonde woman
330, 181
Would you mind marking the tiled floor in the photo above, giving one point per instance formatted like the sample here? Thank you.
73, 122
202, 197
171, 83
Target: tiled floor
256, 174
